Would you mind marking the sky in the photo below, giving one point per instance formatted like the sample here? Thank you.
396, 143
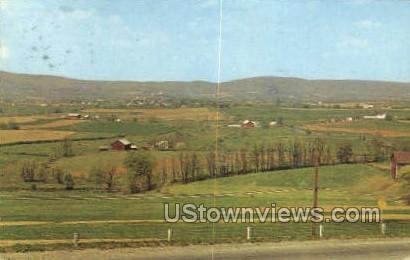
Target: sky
178, 39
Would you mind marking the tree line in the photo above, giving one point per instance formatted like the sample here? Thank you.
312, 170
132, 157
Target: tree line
144, 173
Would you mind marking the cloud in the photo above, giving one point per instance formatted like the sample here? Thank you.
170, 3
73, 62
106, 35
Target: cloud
351, 43
368, 25
4, 51
3, 5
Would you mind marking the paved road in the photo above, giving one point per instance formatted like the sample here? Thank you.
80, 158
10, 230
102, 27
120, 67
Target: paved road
330, 249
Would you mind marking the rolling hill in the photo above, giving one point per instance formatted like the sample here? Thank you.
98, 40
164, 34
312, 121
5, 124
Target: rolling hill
14, 85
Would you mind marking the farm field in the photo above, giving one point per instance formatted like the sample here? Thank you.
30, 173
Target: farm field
196, 114
18, 136
354, 129
117, 219
185, 124
44, 215
53, 124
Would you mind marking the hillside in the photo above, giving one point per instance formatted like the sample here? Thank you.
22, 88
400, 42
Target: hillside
259, 88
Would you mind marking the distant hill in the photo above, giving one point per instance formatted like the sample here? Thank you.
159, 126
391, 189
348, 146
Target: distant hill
14, 85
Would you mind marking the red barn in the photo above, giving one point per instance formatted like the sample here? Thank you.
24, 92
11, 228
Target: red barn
121, 145
398, 159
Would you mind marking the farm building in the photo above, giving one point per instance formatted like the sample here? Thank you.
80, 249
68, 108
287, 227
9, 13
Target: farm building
366, 106
121, 145
398, 159
380, 116
248, 124
73, 116
103, 148
162, 145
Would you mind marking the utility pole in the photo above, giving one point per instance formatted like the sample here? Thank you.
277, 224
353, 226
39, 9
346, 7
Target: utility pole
316, 189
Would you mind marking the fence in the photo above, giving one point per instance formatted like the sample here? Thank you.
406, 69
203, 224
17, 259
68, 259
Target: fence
196, 233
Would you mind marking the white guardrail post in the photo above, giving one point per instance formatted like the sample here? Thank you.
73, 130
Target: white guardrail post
248, 233
383, 228
76, 239
169, 234
321, 229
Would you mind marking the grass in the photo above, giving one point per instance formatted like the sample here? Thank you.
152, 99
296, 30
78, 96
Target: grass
63, 210
339, 176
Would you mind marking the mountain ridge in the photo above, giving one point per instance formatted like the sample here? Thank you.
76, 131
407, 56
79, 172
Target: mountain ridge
264, 88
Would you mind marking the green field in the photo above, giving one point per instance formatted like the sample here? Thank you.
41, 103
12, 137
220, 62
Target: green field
44, 210
94, 215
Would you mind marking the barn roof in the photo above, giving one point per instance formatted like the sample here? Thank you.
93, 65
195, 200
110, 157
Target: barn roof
124, 141
402, 157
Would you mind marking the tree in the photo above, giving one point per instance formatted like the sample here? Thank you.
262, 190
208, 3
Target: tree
58, 175
389, 117
66, 147
140, 171
28, 171
104, 176
280, 149
244, 161
164, 173
379, 149
194, 166
406, 187
256, 158
280, 121
345, 153
42, 173
69, 181
174, 169
184, 166
211, 163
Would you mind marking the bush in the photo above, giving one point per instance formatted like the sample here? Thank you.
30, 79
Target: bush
345, 153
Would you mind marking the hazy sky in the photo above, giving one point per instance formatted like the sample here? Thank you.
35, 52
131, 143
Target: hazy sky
178, 39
